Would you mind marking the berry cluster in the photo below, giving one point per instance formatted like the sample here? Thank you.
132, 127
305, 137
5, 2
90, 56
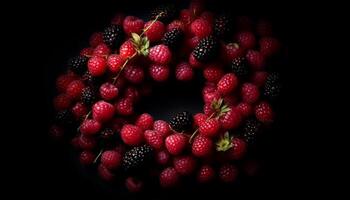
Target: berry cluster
106, 80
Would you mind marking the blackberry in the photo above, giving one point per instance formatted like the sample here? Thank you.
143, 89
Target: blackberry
88, 96
182, 121
113, 35
168, 11
207, 49
251, 129
173, 38
137, 157
239, 67
272, 87
223, 25
107, 138
64, 118
78, 64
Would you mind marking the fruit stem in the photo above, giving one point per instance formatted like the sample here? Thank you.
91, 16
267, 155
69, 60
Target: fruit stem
196, 131
149, 26
122, 68
85, 118
98, 156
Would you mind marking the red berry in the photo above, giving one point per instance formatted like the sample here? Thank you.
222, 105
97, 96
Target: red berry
192, 42
168, 177
246, 40
159, 72
132, 24
133, 184
115, 62
176, 143
160, 54
269, 46
124, 107
250, 93
194, 62
162, 157
264, 112
205, 174
238, 150
233, 51
201, 28
232, 119
63, 81
209, 128
199, 118
183, 72
186, 16
154, 31
97, 65
134, 74
132, 94
255, 59
127, 50
245, 109
176, 24
104, 173
162, 127
101, 50
87, 143
79, 110
86, 157
259, 78
96, 39
86, 51
202, 146
111, 159
62, 102
184, 165
228, 173
108, 91
213, 72
208, 16
75, 88
209, 97
144, 121
90, 127
227, 84
154, 139
102, 111
131, 135
208, 109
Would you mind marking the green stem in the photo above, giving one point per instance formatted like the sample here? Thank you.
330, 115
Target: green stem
98, 156
122, 68
149, 26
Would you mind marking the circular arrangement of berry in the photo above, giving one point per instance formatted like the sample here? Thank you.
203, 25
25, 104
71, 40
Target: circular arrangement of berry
95, 104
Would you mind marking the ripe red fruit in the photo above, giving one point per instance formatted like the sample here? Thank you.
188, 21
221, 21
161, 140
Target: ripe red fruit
168, 177
162, 127
86, 52
131, 135
227, 84
154, 139
74, 89
102, 111
154, 31
199, 118
133, 184
208, 109
238, 149
264, 112
97, 65
209, 97
63, 81
86, 142
115, 62
191, 43
194, 62
205, 174
144, 121
90, 127
124, 107
210, 127
162, 157
104, 173
233, 51
245, 109
134, 74
127, 49
101, 50
250, 93
255, 59
208, 16
228, 173
108, 91
246, 39
176, 143
96, 39
62, 102
160, 54
132, 24
183, 72
202, 146
259, 78
86, 157
186, 16
79, 110
231, 119
176, 24
132, 94
184, 165
111, 159
213, 72
159, 72
201, 28
269, 46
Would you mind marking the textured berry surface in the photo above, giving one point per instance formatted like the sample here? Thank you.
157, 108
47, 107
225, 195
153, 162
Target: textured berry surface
111, 159
108, 91
182, 121
272, 87
127, 49
231, 119
154, 31
144, 121
154, 139
169, 177
137, 157
207, 49
86, 157
209, 128
269, 46
246, 40
201, 28
162, 127
264, 112
131, 135
162, 157
202, 146
113, 35
251, 129
255, 59
173, 38
184, 165
124, 107
183, 72
160, 54
74, 89
205, 174
240, 67
79, 110
227, 84
102, 111
78, 64
97, 65
250, 93
176, 143
238, 149
132, 24
228, 173
159, 73
213, 73
115, 62
90, 127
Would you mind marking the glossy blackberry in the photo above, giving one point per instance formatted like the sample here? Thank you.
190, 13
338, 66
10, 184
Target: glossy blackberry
272, 87
113, 35
240, 68
64, 118
251, 129
108, 138
173, 38
207, 49
182, 121
137, 157
88, 96
78, 64
223, 25
167, 13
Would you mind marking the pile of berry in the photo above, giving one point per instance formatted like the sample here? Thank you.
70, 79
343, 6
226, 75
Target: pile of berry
97, 95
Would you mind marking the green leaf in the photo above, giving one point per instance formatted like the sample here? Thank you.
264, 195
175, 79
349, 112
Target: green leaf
224, 142
147, 44
136, 38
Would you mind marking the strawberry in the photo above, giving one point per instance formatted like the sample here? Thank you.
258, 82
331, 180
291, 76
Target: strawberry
176, 143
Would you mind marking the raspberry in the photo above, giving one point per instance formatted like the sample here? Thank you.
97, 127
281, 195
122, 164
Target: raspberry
62, 102
160, 54
233, 51
228, 173
205, 174
213, 72
134, 74
162, 157
199, 118
159, 72
154, 31
227, 83
86, 52
250, 93
86, 157
162, 127
211, 96
127, 49
102, 111
238, 149
245, 109
104, 173
169, 177
192, 42
175, 143
90, 127
113, 35
201, 28
154, 139
111, 159
115, 62
183, 72
132, 94
74, 89
131, 135
246, 40
124, 107
101, 50
87, 143
259, 78
63, 81
97, 65
176, 24
108, 91
184, 165
132, 24
208, 109
209, 128
231, 119
264, 112
269, 46
96, 39
144, 121
202, 146
194, 62
255, 59
133, 184
79, 110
